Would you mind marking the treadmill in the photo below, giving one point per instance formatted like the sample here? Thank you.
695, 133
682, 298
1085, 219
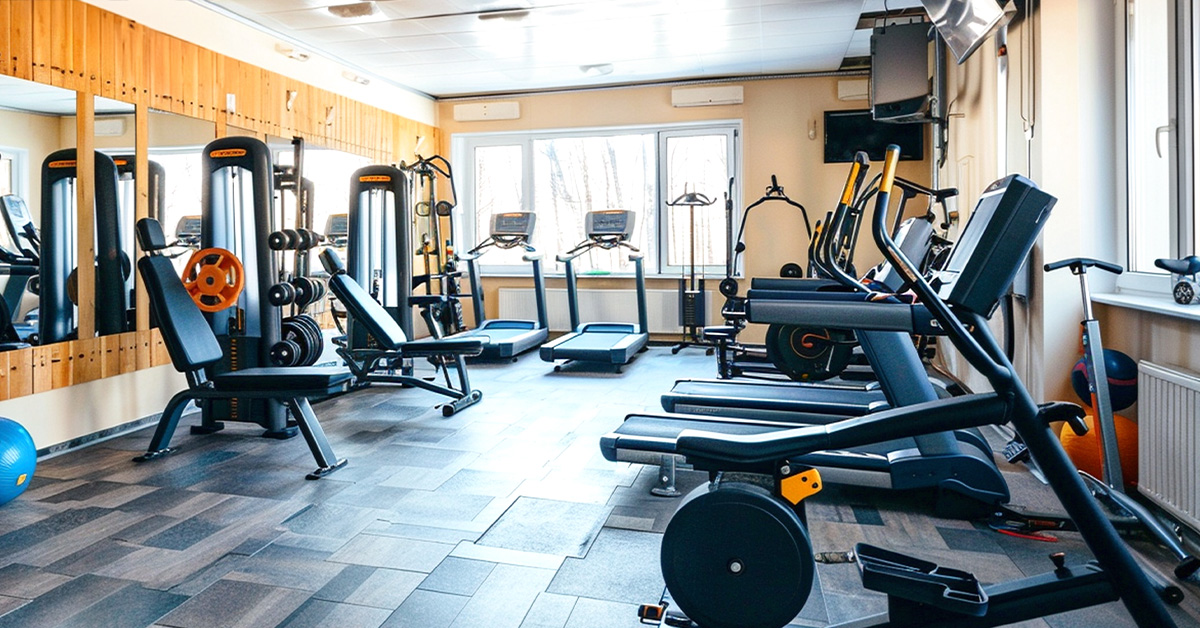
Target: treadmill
20, 265
957, 464
507, 338
607, 343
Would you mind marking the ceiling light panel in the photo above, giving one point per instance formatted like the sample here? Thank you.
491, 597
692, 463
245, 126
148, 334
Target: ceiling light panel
441, 47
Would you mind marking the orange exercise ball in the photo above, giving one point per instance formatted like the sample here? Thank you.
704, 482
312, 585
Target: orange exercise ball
1084, 450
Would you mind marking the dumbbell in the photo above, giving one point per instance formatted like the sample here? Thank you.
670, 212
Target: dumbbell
281, 294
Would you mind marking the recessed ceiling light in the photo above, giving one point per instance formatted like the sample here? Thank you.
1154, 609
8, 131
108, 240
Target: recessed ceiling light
599, 69
351, 76
353, 10
291, 53
510, 15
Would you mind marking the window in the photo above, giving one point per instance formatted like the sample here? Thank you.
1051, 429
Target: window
6, 175
1160, 80
562, 175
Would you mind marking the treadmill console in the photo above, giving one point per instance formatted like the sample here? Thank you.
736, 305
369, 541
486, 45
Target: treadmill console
337, 229
992, 248
19, 222
609, 223
187, 231
510, 224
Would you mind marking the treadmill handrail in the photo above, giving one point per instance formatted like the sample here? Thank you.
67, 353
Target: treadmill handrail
931, 417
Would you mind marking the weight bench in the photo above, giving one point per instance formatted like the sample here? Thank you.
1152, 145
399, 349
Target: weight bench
392, 346
194, 347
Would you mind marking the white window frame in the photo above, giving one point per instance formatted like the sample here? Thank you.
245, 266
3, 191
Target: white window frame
20, 171
1183, 31
462, 151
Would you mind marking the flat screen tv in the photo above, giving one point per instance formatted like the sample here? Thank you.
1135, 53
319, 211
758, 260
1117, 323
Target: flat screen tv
847, 132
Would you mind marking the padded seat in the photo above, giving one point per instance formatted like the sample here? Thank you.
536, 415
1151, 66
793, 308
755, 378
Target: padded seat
285, 379
445, 346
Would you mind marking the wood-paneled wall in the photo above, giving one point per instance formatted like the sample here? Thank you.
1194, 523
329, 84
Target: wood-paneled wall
70, 44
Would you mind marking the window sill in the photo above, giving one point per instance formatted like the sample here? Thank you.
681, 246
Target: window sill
1145, 302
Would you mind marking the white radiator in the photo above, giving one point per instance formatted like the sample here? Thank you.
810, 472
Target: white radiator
1169, 439
662, 307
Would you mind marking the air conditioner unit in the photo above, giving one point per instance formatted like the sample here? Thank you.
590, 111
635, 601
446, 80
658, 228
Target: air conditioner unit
109, 126
706, 96
471, 112
854, 89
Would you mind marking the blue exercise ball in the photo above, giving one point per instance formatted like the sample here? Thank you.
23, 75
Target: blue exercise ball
18, 457
1122, 380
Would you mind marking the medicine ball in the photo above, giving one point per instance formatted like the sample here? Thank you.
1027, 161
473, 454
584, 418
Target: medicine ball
18, 457
1122, 380
1084, 450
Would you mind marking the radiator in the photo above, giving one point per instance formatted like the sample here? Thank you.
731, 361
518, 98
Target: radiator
662, 307
1169, 439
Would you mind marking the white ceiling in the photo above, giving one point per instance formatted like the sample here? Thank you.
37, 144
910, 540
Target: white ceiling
21, 95
443, 47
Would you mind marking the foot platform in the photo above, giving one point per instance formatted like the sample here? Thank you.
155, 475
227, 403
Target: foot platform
921, 582
324, 471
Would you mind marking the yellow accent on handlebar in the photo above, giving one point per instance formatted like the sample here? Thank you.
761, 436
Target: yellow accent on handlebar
848, 191
890, 159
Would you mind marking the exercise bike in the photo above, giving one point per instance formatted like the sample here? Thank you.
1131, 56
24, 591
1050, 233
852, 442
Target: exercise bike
737, 554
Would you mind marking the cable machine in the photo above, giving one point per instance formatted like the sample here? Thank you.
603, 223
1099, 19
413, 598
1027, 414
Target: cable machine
693, 315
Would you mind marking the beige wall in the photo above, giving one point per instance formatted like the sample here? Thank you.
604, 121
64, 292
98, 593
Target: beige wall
775, 116
40, 134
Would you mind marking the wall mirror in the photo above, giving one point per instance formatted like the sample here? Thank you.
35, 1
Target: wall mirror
38, 124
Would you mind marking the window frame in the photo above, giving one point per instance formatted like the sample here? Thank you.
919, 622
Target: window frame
462, 159
20, 171
1183, 94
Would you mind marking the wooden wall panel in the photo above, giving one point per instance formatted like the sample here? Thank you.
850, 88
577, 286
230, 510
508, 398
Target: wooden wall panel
108, 55
42, 42
93, 53
20, 372
85, 231
4, 392
21, 38
126, 58
110, 355
6, 35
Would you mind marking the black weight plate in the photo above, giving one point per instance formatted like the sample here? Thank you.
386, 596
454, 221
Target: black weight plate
293, 238
791, 270
281, 294
728, 287
285, 353
304, 291
293, 331
277, 241
316, 338
736, 557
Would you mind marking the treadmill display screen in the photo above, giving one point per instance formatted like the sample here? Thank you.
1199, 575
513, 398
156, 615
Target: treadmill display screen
612, 222
513, 224
188, 227
993, 246
337, 225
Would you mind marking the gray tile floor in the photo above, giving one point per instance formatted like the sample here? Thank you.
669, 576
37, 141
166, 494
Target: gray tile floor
503, 516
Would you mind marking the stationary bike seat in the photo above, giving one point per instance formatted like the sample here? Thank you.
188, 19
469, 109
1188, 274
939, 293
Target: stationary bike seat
1189, 265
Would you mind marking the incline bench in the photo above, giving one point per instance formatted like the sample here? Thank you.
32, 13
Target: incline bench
194, 348
392, 346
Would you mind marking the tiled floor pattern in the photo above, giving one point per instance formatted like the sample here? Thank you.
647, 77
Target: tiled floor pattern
503, 516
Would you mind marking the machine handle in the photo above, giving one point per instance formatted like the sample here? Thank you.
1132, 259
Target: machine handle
1079, 265
860, 159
